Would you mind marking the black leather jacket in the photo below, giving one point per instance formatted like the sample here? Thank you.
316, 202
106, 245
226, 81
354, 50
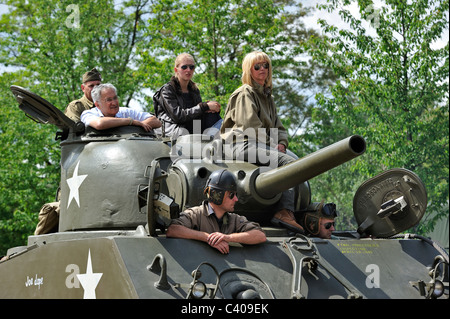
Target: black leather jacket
176, 110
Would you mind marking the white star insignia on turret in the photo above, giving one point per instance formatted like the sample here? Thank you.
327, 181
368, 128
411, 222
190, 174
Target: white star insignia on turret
74, 184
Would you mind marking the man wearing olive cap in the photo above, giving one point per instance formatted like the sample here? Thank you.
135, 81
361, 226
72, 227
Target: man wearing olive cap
90, 79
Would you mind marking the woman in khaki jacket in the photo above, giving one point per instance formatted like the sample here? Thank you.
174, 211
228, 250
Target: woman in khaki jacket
252, 130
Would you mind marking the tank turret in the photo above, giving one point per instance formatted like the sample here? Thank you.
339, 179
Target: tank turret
259, 188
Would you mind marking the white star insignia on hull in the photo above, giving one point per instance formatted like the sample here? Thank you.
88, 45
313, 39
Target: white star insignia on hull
89, 280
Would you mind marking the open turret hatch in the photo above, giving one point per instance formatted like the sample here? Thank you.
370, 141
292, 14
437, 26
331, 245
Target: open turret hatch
389, 203
42, 111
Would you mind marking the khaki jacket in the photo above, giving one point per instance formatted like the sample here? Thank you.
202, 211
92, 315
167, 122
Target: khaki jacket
75, 108
251, 108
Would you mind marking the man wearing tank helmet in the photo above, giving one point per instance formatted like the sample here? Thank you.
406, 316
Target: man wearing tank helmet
214, 221
318, 220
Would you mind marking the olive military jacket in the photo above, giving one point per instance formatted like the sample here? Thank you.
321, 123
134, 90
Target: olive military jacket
251, 108
75, 108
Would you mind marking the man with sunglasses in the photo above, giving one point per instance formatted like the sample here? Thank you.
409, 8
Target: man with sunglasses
326, 229
318, 220
214, 222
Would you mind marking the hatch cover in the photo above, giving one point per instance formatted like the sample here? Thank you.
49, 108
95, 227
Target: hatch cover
389, 203
42, 111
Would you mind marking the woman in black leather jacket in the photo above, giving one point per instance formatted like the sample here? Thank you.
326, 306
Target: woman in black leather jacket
179, 106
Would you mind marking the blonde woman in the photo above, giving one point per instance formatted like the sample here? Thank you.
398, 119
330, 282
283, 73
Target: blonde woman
178, 103
252, 130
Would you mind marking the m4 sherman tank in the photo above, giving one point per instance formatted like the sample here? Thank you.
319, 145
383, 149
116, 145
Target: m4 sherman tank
120, 188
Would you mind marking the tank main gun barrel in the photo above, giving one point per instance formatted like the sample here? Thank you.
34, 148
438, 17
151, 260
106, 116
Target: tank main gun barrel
270, 183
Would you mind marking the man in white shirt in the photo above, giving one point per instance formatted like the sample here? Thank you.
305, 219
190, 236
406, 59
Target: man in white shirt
108, 114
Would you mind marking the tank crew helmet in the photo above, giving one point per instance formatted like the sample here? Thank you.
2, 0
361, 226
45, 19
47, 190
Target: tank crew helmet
218, 183
314, 213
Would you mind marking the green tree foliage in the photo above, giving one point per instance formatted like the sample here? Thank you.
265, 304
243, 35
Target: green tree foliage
57, 41
392, 89
219, 34
29, 170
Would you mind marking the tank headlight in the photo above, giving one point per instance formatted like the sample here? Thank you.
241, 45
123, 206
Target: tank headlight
438, 289
198, 290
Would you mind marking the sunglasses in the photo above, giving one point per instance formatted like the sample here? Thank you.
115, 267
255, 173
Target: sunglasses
232, 194
258, 66
190, 66
328, 225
